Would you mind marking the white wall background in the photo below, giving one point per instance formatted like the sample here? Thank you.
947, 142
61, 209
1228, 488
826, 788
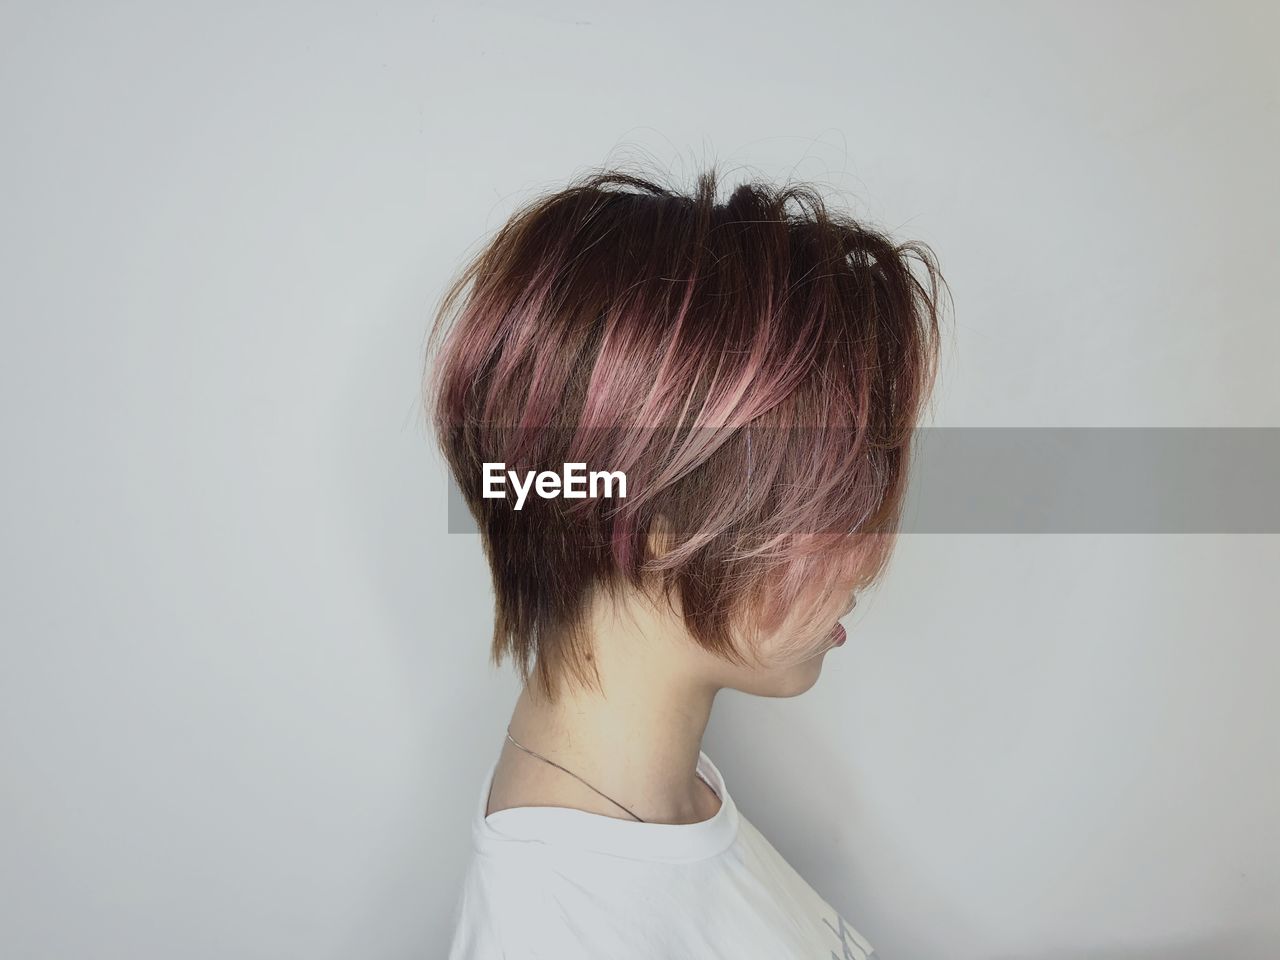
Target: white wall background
244, 700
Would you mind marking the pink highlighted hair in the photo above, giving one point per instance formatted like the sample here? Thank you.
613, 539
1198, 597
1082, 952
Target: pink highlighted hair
756, 368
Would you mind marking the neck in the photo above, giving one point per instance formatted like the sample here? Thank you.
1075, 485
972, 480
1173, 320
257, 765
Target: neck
637, 738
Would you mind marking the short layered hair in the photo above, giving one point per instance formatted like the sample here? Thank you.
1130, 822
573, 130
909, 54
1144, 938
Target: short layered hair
756, 367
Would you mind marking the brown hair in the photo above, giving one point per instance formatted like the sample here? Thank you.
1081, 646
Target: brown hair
755, 367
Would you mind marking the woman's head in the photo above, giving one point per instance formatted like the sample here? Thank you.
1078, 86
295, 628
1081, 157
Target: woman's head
754, 367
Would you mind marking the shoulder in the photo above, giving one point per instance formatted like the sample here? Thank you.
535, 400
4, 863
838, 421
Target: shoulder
512, 907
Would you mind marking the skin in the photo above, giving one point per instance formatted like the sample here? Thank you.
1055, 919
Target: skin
638, 737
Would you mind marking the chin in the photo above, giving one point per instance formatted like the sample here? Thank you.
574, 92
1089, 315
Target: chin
790, 681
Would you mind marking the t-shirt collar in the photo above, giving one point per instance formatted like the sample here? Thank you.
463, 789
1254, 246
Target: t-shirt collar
578, 829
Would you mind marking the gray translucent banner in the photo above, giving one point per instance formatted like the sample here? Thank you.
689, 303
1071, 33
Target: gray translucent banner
1078, 480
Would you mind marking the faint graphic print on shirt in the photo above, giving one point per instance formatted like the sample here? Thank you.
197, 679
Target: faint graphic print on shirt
850, 949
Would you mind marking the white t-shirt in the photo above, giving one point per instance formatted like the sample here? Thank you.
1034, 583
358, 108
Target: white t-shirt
551, 883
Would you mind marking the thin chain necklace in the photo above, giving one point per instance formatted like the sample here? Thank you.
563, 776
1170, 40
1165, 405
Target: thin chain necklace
539, 756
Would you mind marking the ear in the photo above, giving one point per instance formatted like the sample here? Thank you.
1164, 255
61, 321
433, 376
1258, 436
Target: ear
660, 540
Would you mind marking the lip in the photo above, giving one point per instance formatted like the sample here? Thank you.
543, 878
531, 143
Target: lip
838, 635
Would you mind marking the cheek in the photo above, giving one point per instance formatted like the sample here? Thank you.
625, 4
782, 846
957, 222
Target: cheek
790, 629
796, 641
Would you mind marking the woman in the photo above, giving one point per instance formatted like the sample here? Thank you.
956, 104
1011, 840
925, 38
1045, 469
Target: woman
748, 375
